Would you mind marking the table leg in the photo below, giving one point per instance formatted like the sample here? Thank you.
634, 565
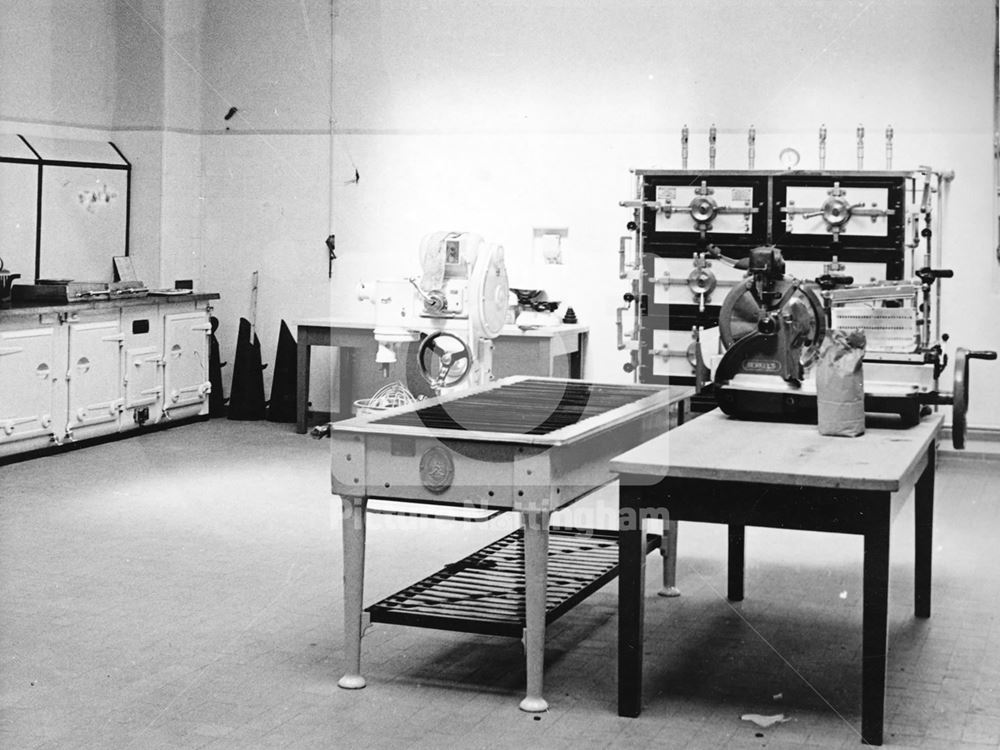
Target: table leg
536, 561
346, 382
576, 360
737, 557
668, 550
631, 604
924, 522
875, 628
302, 383
353, 526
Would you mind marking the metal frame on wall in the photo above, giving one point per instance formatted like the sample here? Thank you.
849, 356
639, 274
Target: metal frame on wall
41, 161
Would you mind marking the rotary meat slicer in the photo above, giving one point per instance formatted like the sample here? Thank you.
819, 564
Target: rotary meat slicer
455, 308
772, 325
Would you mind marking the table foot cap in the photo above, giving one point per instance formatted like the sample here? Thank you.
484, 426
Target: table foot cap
351, 682
534, 705
669, 591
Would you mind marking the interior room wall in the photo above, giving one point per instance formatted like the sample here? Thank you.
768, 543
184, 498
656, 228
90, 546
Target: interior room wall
494, 117
124, 71
58, 65
266, 176
57, 62
503, 116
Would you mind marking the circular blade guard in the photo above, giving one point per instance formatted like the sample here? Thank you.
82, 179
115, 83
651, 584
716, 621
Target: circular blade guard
489, 292
741, 311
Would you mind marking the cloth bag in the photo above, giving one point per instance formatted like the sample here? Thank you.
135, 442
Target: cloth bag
840, 384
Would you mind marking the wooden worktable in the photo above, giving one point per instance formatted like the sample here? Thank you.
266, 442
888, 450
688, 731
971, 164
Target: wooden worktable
538, 345
742, 473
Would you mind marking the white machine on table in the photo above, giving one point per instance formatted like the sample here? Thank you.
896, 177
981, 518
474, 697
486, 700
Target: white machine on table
455, 308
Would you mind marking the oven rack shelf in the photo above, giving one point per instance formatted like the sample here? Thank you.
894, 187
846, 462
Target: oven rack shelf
484, 592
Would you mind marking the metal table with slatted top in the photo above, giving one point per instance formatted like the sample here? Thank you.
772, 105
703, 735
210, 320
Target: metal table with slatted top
530, 445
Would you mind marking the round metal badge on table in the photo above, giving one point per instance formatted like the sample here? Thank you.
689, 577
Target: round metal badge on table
437, 469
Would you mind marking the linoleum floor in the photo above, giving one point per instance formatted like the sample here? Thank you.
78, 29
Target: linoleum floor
182, 589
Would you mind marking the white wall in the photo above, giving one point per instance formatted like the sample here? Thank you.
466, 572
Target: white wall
501, 116
493, 116
126, 71
266, 186
57, 62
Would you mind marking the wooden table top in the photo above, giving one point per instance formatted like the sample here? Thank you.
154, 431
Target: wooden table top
509, 331
717, 447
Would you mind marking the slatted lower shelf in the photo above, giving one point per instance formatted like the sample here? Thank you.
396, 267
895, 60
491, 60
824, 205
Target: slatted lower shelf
484, 592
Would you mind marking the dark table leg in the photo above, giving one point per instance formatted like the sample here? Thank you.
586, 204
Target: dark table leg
875, 623
346, 383
924, 522
631, 586
302, 382
737, 537
578, 359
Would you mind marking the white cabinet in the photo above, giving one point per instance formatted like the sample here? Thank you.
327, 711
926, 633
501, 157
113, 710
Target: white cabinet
28, 376
185, 365
142, 379
73, 372
94, 377
143, 388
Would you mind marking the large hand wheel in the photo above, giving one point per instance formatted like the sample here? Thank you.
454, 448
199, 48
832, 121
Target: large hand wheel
960, 399
444, 359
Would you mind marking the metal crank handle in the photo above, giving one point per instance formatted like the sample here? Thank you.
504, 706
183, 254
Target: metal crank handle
654, 205
820, 212
960, 397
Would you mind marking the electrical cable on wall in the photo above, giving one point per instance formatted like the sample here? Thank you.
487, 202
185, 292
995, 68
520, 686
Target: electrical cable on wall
331, 236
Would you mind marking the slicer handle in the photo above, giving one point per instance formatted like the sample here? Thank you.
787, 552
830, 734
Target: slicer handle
927, 275
960, 396
829, 280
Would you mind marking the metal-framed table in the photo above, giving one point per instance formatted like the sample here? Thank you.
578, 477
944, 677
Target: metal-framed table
529, 445
540, 345
720, 470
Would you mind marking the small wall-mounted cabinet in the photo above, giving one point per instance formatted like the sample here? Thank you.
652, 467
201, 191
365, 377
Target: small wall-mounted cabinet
73, 372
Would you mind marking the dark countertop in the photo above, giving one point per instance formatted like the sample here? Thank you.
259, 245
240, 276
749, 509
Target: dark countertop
21, 308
